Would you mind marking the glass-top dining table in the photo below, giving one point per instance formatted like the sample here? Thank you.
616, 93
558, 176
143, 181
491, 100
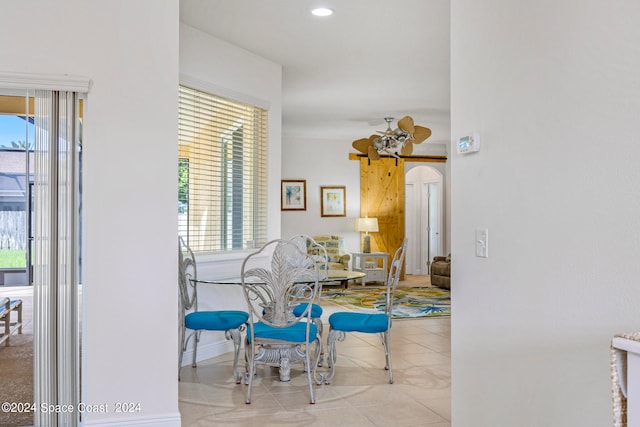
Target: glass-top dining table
341, 276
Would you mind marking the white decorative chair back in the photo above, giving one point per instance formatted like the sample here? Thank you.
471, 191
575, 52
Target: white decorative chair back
187, 272
342, 322
394, 276
317, 251
313, 253
280, 283
232, 322
273, 291
319, 255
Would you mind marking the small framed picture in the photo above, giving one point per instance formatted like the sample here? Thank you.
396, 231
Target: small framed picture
333, 201
294, 195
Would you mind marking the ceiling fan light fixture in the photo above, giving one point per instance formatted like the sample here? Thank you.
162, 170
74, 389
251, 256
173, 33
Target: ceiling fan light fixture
393, 142
322, 11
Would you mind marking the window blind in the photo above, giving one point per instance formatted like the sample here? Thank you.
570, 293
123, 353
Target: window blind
222, 182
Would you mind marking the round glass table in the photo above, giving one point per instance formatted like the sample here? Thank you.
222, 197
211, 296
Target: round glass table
341, 276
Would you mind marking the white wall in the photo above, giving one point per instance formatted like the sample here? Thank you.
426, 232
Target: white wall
322, 163
130, 132
552, 87
210, 64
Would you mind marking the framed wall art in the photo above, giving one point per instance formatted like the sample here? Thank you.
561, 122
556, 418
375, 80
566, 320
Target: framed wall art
294, 195
333, 201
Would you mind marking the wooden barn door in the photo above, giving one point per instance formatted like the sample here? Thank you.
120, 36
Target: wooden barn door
382, 197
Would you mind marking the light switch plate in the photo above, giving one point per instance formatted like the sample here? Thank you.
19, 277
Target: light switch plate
482, 242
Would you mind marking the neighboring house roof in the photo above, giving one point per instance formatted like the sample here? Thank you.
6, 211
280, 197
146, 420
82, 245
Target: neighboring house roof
13, 161
12, 183
12, 179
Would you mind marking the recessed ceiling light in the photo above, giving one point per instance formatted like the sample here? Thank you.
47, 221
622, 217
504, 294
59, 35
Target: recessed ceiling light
322, 11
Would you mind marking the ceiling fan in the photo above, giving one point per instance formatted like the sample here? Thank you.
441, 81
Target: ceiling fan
394, 142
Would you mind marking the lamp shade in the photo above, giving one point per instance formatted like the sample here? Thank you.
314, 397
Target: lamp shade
367, 224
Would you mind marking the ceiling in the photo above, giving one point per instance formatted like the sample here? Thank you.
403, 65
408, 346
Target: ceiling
343, 74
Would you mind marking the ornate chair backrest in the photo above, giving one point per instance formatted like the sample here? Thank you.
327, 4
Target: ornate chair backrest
186, 271
394, 276
273, 289
318, 253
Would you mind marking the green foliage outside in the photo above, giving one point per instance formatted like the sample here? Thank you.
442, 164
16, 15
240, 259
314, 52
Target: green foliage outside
183, 185
12, 258
17, 144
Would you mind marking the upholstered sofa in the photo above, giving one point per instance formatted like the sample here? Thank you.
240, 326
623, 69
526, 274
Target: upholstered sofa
334, 245
441, 271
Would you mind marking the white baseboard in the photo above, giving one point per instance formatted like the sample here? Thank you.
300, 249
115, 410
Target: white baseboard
207, 351
167, 420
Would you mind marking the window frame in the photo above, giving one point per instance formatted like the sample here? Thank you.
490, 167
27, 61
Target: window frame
264, 218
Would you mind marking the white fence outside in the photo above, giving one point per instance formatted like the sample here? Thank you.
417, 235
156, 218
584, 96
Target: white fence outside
13, 230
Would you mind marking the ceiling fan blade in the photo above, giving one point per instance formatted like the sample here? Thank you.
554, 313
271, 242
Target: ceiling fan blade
407, 149
375, 141
362, 145
373, 154
406, 124
421, 133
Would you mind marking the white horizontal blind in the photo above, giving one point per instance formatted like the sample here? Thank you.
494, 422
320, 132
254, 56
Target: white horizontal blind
222, 153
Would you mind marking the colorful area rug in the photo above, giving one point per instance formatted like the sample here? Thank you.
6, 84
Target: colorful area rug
407, 302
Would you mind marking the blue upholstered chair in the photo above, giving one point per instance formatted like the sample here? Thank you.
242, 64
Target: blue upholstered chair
232, 322
319, 255
275, 280
379, 323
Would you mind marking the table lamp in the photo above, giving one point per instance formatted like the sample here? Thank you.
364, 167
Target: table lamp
367, 224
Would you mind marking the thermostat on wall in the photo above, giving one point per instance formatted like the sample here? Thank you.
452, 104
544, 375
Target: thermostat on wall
469, 143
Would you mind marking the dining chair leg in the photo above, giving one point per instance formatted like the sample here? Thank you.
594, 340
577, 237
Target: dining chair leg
250, 371
196, 339
236, 337
386, 342
334, 336
247, 350
182, 333
320, 326
317, 377
318, 353
310, 371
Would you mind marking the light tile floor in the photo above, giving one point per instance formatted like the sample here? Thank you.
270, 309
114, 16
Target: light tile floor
360, 394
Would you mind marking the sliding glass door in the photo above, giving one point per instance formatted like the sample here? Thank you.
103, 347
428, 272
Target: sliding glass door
43, 174
16, 179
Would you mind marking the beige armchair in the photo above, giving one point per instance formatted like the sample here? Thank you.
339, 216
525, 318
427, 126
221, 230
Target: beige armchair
334, 245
